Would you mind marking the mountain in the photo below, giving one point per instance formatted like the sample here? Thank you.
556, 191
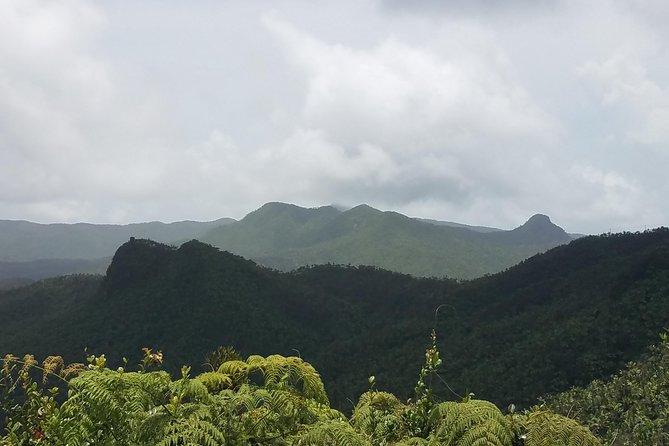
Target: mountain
41, 269
33, 251
22, 241
286, 237
577, 312
458, 225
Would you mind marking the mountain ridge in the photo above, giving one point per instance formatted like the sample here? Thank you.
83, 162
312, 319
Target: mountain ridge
560, 318
285, 237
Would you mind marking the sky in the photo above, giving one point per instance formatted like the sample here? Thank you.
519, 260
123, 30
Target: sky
481, 112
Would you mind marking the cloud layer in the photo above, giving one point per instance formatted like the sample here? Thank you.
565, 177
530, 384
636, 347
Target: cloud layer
128, 112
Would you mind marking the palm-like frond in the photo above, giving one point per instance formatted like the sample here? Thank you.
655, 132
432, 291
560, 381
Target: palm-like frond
545, 428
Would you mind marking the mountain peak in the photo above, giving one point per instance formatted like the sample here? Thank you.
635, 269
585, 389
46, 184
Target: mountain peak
135, 260
539, 220
540, 229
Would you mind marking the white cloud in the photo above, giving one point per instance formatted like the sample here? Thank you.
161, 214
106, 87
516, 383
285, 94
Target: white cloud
624, 85
72, 135
444, 123
414, 97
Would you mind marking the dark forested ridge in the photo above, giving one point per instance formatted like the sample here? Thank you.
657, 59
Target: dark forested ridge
286, 237
561, 318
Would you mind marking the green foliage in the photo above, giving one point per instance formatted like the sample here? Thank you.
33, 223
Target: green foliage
544, 428
278, 373
274, 401
468, 423
630, 408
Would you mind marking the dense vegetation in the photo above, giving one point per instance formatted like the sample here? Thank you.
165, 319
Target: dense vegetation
272, 400
631, 408
286, 237
559, 319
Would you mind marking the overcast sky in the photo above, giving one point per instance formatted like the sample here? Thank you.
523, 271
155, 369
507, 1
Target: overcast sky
130, 111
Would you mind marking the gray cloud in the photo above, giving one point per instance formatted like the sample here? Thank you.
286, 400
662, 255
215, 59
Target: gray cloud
471, 6
485, 114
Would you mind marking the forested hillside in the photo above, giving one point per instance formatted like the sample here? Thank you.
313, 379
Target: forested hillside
562, 318
286, 237
630, 408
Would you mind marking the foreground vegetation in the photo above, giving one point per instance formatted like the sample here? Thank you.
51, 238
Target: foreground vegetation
630, 408
272, 400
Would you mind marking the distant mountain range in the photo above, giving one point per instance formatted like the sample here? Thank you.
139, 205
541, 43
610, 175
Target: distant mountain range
22, 241
285, 237
32, 251
562, 318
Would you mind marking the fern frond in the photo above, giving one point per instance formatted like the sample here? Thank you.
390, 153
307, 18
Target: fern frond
279, 372
413, 441
545, 428
192, 431
237, 370
190, 389
379, 415
470, 422
371, 402
331, 433
214, 381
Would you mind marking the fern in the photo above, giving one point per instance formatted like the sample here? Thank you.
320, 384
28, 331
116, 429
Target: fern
279, 372
471, 422
331, 433
379, 415
413, 441
214, 381
544, 428
192, 431
271, 401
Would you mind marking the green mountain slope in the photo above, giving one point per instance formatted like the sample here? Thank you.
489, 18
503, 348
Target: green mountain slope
630, 408
286, 237
561, 318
